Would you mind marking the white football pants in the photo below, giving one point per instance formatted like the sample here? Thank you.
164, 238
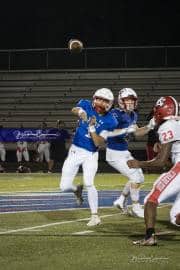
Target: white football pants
89, 160
43, 150
22, 153
2, 154
118, 160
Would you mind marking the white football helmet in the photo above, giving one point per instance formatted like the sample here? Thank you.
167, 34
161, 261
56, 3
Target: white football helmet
127, 93
106, 94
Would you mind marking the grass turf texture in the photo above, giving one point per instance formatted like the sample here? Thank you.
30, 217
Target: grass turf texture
50, 182
108, 246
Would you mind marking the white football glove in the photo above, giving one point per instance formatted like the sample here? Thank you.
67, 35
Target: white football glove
151, 124
116, 132
92, 129
131, 129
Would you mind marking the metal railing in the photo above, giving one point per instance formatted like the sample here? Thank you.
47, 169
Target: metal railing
89, 58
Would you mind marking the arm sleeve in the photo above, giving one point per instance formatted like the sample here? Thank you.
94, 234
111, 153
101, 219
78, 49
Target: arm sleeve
105, 133
82, 104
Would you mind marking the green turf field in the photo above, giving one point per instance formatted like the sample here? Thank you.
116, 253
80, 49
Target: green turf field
10, 182
61, 239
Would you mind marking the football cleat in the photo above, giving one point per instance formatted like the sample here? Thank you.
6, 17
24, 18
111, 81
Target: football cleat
121, 203
146, 242
94, 221
137, 210
78, 194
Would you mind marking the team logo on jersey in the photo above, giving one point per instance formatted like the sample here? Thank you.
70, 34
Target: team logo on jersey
99, 123
160, 102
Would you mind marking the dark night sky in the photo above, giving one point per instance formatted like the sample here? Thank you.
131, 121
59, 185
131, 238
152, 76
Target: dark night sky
44, 24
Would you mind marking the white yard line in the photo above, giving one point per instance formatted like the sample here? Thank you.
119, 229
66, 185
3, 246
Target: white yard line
53, 192
36, 199
50, 210
36, 230
22, 205
64, 222
165, 232
32, 193
52, 224
69, 209
82, 233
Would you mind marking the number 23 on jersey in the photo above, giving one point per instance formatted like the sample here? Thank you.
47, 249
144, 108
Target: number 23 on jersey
168, 135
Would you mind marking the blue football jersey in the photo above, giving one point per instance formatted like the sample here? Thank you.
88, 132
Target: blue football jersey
82, 138
124, 120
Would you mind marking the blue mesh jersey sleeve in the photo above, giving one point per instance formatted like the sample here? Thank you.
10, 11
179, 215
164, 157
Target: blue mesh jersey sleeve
107, 122
82, 137
124, 120
84, 104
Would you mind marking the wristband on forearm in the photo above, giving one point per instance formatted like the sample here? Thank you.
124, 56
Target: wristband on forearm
92, 129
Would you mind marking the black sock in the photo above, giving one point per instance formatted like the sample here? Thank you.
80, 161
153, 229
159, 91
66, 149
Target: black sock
149, 233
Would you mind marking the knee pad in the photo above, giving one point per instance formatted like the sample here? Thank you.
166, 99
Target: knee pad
137, 177
65, 186
134, 192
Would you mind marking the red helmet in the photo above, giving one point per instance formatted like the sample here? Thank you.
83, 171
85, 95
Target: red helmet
165, 108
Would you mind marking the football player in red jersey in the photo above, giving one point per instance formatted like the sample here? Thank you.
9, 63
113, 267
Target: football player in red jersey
168, 184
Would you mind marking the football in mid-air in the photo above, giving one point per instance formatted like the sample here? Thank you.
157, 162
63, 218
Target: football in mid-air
75, 45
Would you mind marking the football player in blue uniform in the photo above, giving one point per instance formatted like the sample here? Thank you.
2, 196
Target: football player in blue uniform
117, 153
84, 151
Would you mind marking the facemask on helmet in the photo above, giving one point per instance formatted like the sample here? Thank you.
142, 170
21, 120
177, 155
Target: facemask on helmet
103, 100
165, 108
127, 99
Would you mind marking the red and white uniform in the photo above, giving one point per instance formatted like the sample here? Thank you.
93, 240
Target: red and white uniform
2, 152
22, 151
43, 150
168, 184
